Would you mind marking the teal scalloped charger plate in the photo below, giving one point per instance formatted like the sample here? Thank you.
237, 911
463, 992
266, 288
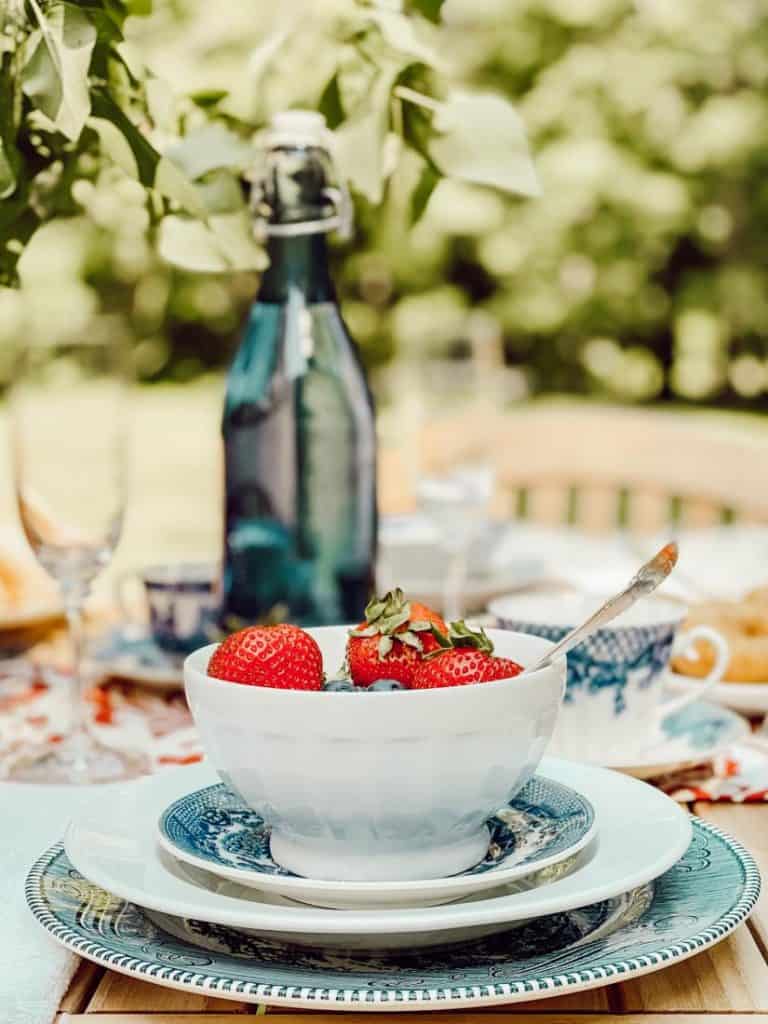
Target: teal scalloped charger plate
695, 904
211, 828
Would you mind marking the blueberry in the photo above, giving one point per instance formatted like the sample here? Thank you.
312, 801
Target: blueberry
386, 684
339, 685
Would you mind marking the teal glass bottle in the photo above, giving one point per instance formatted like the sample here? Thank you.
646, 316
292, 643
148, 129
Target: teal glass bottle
298, 426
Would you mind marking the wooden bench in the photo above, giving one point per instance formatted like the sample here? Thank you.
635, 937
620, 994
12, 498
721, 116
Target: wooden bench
601, 467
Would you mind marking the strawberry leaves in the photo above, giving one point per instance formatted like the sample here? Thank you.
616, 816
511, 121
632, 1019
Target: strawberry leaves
460, 635
386, 615
389, 618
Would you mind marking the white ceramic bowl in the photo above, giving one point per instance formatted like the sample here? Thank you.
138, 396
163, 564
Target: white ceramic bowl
378, 786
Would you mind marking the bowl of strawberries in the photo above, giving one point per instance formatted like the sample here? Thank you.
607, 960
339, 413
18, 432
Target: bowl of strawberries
377, 752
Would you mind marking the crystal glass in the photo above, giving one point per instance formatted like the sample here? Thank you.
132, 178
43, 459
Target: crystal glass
440, 413
68, 420
456, 477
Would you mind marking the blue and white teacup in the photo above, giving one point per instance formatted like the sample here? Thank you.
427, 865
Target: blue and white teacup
614, 703
182, 602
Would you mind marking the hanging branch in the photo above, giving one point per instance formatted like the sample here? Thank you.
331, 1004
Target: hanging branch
71, 103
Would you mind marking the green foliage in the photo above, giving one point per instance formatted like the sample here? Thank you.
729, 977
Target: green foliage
638, 274
73, 102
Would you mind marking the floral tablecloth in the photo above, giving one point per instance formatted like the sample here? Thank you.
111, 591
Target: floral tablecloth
154, 728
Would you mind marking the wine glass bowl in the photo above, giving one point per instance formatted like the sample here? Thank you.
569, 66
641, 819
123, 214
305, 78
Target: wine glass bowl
456, 476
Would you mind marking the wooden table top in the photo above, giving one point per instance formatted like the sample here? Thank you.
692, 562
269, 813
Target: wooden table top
729, 980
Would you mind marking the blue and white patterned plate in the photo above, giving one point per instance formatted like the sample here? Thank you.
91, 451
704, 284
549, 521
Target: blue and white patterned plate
695, 904
544, 826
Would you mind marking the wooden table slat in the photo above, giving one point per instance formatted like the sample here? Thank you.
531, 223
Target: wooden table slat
749, 824
82, 986
731, 976
118, 993
456, 1017
596, 1000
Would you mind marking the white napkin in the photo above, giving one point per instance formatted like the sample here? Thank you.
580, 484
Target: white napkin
35, 970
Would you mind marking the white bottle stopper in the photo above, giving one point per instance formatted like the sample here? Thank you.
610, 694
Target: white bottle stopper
297, 128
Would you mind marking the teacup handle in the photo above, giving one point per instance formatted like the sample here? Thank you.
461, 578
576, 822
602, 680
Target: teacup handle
684, 643
122, 600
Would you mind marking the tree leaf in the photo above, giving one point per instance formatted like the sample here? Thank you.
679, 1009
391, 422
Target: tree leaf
114, 145
262, 55
10, 114
207, 99
401, 35
209, 149
146, 156
139, 8
420, 196
55, 75
429, 9
223, 243
161, 104
480, 138
9, 161
220, 192
171, 182
330, 105
359, 141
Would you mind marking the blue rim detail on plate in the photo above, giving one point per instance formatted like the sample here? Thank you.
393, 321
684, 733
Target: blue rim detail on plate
214, 829
699, 901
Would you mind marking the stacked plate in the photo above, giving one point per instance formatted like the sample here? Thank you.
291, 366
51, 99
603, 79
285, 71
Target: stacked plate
590, 876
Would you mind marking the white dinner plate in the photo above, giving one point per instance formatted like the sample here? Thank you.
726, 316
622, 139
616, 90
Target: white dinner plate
641, 834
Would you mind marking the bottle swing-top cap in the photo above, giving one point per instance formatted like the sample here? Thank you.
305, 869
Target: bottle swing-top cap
296, 187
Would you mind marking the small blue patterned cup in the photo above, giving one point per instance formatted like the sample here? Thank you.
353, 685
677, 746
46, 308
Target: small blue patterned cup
614, 702
182, 603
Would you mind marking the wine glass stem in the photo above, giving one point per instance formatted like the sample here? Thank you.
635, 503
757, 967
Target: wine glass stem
78, 738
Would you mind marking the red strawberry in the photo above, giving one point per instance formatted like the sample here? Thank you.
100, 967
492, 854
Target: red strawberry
392, 640
468, 659
283, 657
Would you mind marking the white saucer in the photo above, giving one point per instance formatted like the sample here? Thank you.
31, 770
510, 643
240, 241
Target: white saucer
115, 847
749, 698
129, 652
694, 735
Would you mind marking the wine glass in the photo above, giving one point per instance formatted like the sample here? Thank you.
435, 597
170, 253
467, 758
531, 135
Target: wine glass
68, 422
442, 418
456, 477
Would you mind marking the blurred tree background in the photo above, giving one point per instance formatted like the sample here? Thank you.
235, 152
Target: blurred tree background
640, 274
